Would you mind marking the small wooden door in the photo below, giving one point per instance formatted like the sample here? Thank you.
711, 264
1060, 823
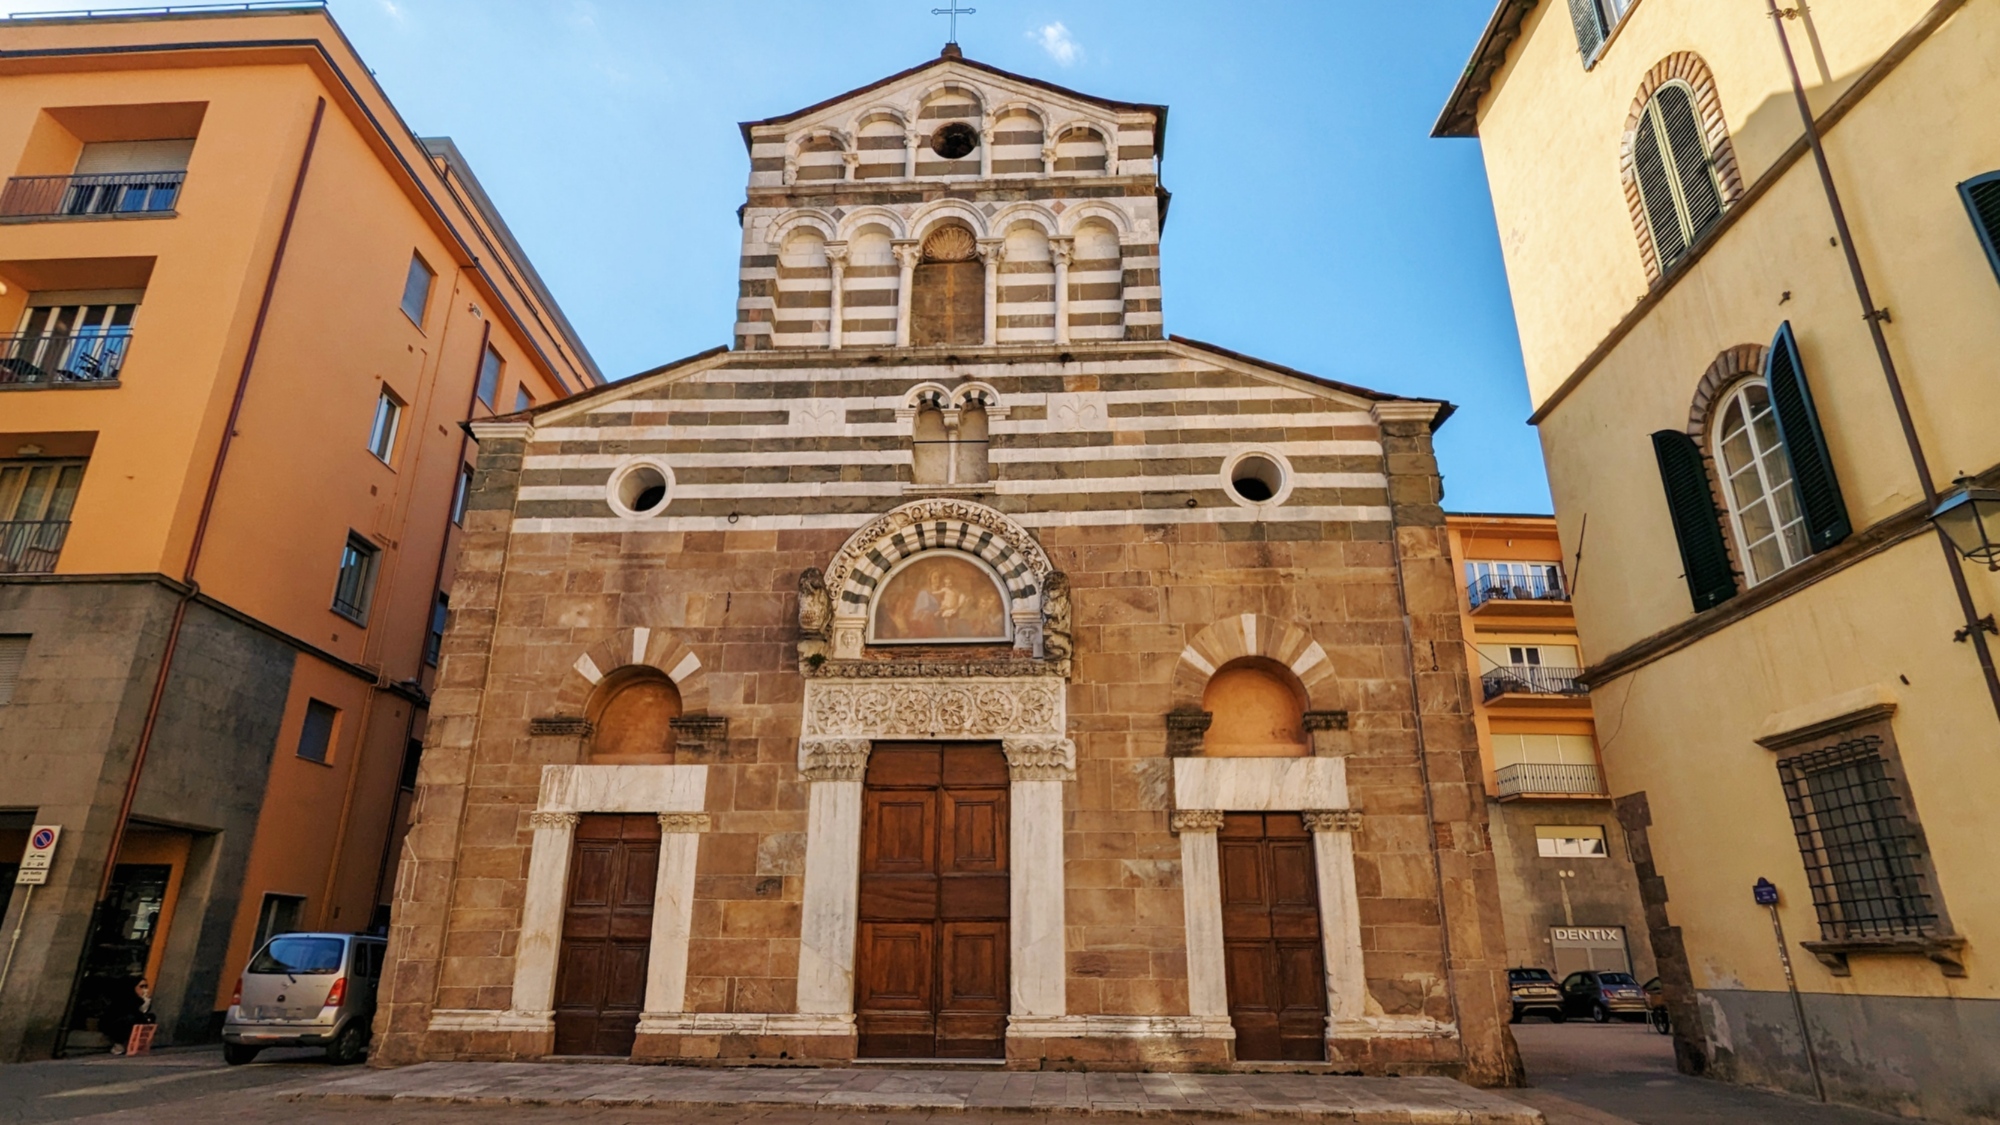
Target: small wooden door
930, 976
1270, 935
948, 303
607, 931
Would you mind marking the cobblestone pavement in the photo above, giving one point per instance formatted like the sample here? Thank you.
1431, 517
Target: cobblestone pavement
1623, 1074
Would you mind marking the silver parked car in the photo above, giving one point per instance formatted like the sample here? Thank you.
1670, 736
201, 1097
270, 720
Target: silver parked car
305, 990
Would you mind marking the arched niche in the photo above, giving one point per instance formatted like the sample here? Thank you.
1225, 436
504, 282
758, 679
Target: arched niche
948, 291
1257, 708
631, 717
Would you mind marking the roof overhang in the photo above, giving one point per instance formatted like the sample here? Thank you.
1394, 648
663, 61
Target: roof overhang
1461, 111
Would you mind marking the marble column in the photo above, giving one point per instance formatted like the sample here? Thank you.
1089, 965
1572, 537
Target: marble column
542, 912
1201, 905
1038, 962
673, 912
1339, 914
991, 251
836, 260
1062, 250
907, 253
830, 912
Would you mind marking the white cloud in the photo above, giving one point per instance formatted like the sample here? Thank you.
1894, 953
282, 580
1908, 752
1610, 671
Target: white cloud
1058, 42
392, 9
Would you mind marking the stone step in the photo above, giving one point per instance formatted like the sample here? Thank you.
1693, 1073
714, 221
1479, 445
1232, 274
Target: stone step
1212, 1097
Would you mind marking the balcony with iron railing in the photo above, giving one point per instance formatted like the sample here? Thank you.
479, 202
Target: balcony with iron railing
1531, 679
90, 356
31, 546
97, 195
1536, 593
1549, 779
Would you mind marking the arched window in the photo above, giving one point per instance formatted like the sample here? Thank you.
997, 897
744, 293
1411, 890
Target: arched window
949, 437
1764, 509
948, 293
821, 158
1676, 173
969, 465
1017, 143
1258, 711
1081, 150
631, 715
882, 148
930, 448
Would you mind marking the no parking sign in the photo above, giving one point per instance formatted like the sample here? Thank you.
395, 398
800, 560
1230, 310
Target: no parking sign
40, 855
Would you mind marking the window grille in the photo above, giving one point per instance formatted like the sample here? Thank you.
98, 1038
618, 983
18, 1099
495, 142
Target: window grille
1862, 854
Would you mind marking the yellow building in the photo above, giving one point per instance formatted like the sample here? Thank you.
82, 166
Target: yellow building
1568, 891
1759, 355
216, 656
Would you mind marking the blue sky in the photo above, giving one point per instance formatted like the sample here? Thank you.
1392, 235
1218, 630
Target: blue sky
1315, 222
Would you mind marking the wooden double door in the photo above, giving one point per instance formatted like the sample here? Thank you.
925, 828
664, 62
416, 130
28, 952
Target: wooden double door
1276, 966
607, 933
930, 975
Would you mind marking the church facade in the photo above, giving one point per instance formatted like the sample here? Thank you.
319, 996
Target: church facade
958, 666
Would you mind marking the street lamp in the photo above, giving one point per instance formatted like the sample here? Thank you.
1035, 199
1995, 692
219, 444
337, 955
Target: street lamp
1970, 517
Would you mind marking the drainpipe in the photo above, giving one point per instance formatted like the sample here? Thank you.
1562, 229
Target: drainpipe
193, 588
1875, 316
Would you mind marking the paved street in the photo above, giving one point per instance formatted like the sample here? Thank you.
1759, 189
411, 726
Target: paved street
1582, 1074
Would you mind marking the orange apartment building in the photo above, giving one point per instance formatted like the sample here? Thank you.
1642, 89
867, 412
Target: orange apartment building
1568, 885
216, 655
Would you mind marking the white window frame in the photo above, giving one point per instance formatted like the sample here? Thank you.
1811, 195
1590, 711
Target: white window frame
1790, 553
388, 423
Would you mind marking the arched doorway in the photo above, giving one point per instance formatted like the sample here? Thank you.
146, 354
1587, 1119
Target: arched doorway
948, 293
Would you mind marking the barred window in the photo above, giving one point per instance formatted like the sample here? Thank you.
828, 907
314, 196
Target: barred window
1863, 854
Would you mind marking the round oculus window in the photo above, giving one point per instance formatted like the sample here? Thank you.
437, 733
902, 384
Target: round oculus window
640, 489
955, 141
1257, 478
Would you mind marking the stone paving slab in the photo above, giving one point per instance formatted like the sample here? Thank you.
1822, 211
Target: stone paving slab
1242, 1097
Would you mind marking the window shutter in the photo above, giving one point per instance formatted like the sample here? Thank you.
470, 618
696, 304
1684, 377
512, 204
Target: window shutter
1589, 28
1982, 199
13, 653
1656, 192
1691, 160
1805, 443
1697, 525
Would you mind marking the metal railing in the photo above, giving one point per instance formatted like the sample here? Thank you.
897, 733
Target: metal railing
89, 356
169, 9
1516, 587
1532, 679
31, 546
104, 193
1549, 777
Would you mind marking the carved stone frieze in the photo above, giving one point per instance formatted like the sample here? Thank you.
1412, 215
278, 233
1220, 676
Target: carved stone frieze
1009, 667
930, 510
558, 726
1333, 820
683, 822
539, 819
833, 759
1196, 820
701, 737
1040, 759
946, 708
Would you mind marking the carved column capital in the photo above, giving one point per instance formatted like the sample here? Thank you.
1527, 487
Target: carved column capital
1040, 759
540, 819
1333, 820
683, 822
836, 254
1196, 820
907, 252
833, 759
1063, 250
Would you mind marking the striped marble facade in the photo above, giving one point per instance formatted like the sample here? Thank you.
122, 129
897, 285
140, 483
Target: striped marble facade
1059, 180
1138, 433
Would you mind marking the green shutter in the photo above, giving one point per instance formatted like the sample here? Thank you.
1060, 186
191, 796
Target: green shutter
1805, 443
1589, 27
1697, 525
1982, 199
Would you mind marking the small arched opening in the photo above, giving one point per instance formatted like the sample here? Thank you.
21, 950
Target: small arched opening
1258, 711
631, 716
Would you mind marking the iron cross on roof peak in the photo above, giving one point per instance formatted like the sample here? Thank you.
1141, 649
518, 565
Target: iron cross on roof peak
954, 12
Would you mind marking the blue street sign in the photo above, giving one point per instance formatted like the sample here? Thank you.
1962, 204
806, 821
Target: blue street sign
1766, 892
